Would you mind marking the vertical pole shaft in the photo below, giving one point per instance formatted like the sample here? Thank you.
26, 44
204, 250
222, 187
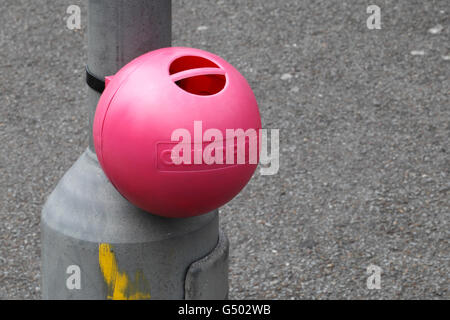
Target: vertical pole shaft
121, 30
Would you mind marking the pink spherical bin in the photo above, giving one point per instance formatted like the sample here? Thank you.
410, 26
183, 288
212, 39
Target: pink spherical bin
176, 131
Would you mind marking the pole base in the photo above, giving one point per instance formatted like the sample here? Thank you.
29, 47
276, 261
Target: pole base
97, 245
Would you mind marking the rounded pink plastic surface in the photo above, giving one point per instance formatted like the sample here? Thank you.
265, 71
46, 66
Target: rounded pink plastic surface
143, 105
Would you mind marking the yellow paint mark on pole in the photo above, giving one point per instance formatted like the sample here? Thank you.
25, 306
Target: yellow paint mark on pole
119, 285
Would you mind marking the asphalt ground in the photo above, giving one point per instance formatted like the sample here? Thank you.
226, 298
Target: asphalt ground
364, 141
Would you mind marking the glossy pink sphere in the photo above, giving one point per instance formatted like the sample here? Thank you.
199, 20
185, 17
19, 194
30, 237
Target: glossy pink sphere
180, 99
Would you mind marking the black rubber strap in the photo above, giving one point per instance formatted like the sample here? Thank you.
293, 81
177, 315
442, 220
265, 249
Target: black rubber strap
94, 82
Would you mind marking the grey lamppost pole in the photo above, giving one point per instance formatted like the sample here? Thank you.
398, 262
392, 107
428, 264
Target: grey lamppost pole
95, 244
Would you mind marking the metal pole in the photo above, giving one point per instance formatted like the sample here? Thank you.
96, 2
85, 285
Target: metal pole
95, 244
121, 30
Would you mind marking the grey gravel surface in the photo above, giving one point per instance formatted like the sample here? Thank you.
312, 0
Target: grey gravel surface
364, 140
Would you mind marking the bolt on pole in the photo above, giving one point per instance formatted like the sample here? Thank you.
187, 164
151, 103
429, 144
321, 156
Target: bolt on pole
97, 245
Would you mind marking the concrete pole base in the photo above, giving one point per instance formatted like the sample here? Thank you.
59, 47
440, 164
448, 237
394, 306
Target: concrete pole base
96, 245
